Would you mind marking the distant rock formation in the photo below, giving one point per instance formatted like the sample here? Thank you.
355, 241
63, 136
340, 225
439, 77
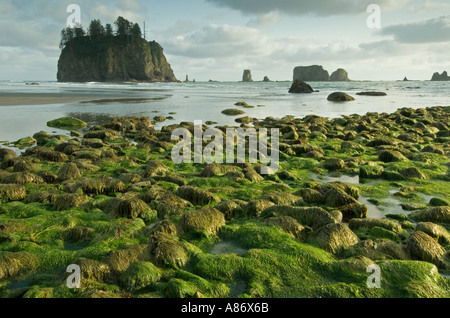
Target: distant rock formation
300, 87
266, 79
247, 77
340, 75
113, 60
313, 73
316, 73
405, 79
440, 77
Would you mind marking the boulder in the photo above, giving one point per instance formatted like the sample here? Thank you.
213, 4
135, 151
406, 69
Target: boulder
12, 192
300, 87
197, 196
289, 225
335, 237
340, 97
129, 207
255, 207
266, 79
439, 214
334, 164
206, 219
68, 172
391, 156
69, 201
436, 231
166, 251
423, 247
391, 225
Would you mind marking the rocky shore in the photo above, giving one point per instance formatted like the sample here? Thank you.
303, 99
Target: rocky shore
110, 199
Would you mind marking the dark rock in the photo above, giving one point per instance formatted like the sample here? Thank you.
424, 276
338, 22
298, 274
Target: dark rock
423, 247
440, 77
247, 76
336, 237
340, 75
371, 94
340, 97
313, 73
300, 87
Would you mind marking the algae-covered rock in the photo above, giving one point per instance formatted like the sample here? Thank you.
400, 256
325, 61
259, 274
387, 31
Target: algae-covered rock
436, 231
230, 208
334, 164
206, 219
120, 260
413, 173
165, 251
391, 225
52, 156
22, 178
233, 112
129, 207
197, 196
340, 97
436, 215
69, 171
155, 168
423, 247
69, 201
92, 271
12, 192
15, 264
289, 225
255, 207
313, 217
335, 237
391, 156
78, 234
140, 275
68, 123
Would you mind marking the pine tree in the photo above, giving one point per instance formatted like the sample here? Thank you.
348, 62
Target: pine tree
96, 29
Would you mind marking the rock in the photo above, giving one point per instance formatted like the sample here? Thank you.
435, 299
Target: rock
334, 164
371, 94
434, 149
439, 214
230, 208
12, 192
22, 178
300, 87
313, 217
391, 225
413, 173
440, 77
423, 247
92, 272
370, 172
435, 231
233, 112
68, 172
69, 201
340, 97
405, 79
247, 76
15, 264
113, 60
52, 156
340, 75
155, 168
78, 234
391, 156
335, 237
313, 73
439, 202
266, 79
165, 251
140, 275
129, 207
289, 225
255, 207
206, 219
197, 196
68, 123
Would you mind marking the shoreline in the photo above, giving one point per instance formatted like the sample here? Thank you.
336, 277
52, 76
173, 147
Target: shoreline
30, 99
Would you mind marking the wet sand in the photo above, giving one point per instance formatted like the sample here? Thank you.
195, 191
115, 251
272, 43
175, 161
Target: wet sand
15, 99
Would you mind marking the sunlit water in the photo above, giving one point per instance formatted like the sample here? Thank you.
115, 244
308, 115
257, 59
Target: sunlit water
206, 101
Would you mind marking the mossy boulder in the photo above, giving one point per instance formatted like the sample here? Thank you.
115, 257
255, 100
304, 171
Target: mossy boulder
140, 275
130, 207
166, 251
197, 196
439, 214
340, 97
16, 264
155, 168
391, 156
334, 164
233, 112
69, 171
436, 231
335, 237
377, 232
24, 142
69, 201
439, 202
254, 208
423, 247
52, 156
413, 173
289, 225
22, 178
68, 123
206, 219
92, 271
12, 192
79, 234
391, 225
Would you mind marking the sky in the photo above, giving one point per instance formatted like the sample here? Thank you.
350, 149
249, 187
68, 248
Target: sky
218, 39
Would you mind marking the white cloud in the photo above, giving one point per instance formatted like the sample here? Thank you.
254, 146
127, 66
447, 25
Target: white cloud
265, 20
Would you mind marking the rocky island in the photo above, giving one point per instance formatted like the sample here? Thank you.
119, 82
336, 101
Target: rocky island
316, 73
440, 77
102, 55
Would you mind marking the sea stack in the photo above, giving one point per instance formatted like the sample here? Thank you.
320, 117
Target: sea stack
266, 79
313, 73
340, 75
247, 77
300, 87
440, 77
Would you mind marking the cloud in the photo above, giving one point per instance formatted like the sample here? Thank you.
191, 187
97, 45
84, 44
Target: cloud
429, 31
265, 20
305, 7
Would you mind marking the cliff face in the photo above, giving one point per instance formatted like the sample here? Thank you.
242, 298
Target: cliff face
247, 76
113, 60
314, 73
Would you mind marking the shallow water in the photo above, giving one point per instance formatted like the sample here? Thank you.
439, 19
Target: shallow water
205, 101
224, 247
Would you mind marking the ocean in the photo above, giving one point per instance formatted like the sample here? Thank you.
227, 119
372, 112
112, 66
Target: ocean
206, 100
